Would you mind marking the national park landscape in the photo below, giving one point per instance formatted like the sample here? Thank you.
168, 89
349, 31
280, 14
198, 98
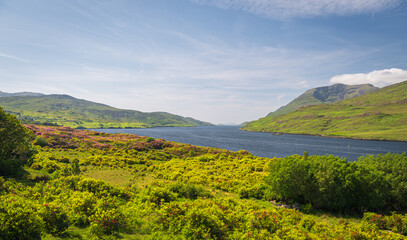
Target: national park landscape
203, 120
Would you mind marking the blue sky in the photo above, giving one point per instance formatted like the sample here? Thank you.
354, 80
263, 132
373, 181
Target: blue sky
222, 61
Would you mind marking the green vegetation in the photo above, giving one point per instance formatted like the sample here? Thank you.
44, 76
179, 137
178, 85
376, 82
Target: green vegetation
90, 185
333, 184
76, 113
380, 115
324, 95
4, 94
15, 149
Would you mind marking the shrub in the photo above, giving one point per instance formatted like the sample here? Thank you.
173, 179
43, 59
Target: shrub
150, 139
106, 222
393, 167
190, 191
396, 222
55, 219
328, 183
267, 220
157, 195
82, 208
204, 223
40, 141
18, 219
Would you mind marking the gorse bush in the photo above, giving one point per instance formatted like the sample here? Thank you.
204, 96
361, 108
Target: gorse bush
18, 219
190, 191
55, 219
106, 221
395, 222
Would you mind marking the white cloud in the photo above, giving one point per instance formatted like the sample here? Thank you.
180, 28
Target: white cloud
279, 97
14, 58
283, 9
379, 78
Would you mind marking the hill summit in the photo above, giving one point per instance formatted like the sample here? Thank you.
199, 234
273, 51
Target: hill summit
379, 115
323, 95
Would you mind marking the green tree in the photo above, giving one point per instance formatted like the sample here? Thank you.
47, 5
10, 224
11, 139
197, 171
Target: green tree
290, 180
15, 148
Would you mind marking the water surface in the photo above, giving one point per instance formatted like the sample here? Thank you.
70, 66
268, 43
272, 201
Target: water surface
267, 144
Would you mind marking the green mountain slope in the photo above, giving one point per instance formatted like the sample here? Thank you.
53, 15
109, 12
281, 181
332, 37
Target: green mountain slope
380, 115
20, 94
77, 113
323, 95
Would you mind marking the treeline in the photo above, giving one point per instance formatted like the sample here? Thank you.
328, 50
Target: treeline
326, 182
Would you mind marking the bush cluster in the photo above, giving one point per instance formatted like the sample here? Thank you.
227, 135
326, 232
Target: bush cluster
334, 184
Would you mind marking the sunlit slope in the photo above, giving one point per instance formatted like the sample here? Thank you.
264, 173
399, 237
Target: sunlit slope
380, 115
19, 94
322, 95
69, 111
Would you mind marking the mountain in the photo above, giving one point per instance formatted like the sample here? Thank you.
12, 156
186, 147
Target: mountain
77, 113
322, 95
19, 94
379, 115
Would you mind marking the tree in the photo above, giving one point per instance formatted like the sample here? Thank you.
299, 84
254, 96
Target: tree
15, 148
290, 180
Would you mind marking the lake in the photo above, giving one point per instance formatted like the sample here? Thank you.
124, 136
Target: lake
267, 144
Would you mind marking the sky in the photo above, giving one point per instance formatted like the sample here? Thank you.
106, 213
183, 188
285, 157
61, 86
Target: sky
221, 61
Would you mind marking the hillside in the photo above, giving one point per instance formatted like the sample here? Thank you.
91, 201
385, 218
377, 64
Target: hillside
380, 115
19, 94
77, 113
322, 95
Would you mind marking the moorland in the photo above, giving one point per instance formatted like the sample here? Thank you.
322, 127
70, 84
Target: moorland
65, 110
378, 115
64, 183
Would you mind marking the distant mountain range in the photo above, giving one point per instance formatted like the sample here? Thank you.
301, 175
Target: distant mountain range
77, 113
322, 95
379, 115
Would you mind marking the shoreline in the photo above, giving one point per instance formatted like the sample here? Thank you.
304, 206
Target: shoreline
330, 136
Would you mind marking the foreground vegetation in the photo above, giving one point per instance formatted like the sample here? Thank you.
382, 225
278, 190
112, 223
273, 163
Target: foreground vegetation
91, 185
380, 115
68, 111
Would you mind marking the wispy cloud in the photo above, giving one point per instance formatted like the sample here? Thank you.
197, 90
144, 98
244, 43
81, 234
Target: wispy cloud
151, 57
284, 9
11, 57
206, 74
379, 78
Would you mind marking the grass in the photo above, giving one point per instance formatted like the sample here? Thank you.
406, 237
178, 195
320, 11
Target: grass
324, 95
117, 177
381, 115
77, 113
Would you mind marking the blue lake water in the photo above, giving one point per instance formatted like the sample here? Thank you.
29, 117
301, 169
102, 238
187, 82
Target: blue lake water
267, 144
